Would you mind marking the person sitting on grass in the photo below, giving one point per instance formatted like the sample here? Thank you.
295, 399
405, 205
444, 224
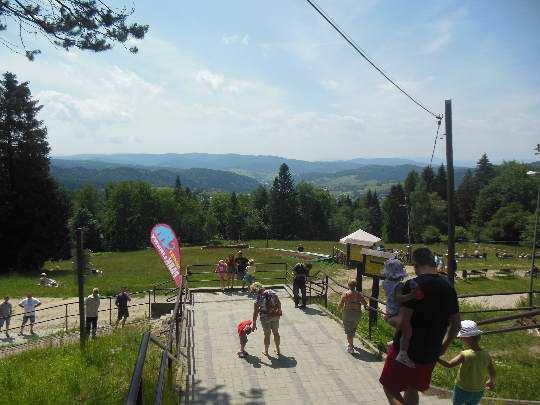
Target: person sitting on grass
45, 281
243, 329
394, 273
475, 366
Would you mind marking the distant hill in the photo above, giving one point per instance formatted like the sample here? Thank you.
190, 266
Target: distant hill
74, 174
373, 177
259, 167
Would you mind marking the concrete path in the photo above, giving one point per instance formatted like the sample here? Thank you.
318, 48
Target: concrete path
314, 367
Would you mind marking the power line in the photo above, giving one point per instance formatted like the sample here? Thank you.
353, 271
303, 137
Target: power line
363, 54
435, 143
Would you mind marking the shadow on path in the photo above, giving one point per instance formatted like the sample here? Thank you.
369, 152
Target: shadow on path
312, 311
208, 395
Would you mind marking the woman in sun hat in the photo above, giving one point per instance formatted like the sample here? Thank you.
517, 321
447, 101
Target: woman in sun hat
476, 371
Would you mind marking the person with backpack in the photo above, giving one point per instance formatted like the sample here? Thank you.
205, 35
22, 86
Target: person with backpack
267, 307
300, 274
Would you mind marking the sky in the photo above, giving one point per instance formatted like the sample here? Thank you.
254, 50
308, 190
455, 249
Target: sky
272, 78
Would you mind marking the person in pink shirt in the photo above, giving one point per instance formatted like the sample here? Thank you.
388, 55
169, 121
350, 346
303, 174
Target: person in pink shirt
221, 270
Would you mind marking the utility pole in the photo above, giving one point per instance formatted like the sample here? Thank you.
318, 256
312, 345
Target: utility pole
532, 273
451, 264
80, 282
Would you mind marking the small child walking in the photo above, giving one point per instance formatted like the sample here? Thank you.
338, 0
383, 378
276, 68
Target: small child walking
249, 278
476, 371
394, 273
244, 329
6, 310
221, 270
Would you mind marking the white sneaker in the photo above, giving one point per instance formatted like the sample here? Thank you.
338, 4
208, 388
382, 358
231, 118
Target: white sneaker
404, 359
350, 349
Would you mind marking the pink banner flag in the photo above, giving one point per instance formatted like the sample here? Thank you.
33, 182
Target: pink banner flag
166, 244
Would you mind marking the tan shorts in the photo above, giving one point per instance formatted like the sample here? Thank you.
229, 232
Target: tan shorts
270, 324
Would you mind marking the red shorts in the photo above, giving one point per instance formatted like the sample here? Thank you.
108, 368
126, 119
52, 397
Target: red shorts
397, 377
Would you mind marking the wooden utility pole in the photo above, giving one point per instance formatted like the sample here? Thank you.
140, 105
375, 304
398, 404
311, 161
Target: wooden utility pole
451, 262
80, 282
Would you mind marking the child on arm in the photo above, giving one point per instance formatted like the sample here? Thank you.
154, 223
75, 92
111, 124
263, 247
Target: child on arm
244, 329
394, 273
474, 367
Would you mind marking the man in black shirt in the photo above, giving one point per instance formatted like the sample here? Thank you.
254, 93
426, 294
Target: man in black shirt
241, 263
435, 321
300, 274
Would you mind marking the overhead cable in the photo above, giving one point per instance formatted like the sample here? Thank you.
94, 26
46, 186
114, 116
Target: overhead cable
351, 42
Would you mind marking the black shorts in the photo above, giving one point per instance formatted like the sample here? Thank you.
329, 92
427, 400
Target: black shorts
123, 313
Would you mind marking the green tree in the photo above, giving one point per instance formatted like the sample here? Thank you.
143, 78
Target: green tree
410, 183
484, 171
33, 211
131, 210
235, 218
428, 176
83, 24
92, 233
220, 208
283, 205
314, 206
466, 199
394, 215
421, 211
371, 203
440, 182
507, 224
512, 185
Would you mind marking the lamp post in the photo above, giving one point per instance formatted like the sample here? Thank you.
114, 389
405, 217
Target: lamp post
409, 247
532, 271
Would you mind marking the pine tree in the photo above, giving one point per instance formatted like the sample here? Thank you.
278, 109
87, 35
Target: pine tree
440, 182
371, 203
394, 215
235, 218
177, 189
428, 176
33, 211
410, 182
484, 171
283, 205
466, 199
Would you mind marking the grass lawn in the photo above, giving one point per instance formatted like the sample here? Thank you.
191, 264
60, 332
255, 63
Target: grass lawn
66, 375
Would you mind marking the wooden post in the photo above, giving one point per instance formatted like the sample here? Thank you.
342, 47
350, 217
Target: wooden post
80, 282
373, 303
359, 274
533, 267
110, 311
450, 190
66, 317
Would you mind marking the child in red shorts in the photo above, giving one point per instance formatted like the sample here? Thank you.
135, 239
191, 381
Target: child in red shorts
244, 329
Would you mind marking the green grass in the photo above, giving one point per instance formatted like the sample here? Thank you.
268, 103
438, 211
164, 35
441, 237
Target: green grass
66, 375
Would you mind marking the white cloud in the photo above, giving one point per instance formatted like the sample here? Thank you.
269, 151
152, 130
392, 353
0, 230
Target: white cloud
214, 80
443, 31
234, 39
330, 84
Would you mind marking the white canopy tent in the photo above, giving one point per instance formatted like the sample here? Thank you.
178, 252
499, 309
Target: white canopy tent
361, 238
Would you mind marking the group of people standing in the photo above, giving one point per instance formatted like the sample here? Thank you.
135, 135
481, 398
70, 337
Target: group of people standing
91, 304
235, 267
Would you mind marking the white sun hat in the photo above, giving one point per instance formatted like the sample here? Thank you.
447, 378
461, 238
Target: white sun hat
393, 268
469, 329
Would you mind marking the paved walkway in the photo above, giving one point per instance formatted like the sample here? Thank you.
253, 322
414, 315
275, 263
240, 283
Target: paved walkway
314, 367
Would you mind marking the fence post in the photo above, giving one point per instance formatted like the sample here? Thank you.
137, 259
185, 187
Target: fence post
373, 303
326, 293
149, 307
66, 316
110, 310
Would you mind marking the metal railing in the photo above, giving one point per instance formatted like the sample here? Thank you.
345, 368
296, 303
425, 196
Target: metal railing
179, 327
70, 312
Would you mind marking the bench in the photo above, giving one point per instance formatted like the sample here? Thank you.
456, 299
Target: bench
474, 273
505, 273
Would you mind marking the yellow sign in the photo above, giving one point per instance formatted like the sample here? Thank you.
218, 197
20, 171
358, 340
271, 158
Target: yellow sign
356, 253
374, 265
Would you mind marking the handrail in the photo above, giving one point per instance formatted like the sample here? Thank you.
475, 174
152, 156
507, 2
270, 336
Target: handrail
168, 355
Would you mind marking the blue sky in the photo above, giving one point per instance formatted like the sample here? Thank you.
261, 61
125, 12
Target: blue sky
258, 77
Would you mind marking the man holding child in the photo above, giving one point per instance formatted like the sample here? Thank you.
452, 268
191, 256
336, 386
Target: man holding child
435, 321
